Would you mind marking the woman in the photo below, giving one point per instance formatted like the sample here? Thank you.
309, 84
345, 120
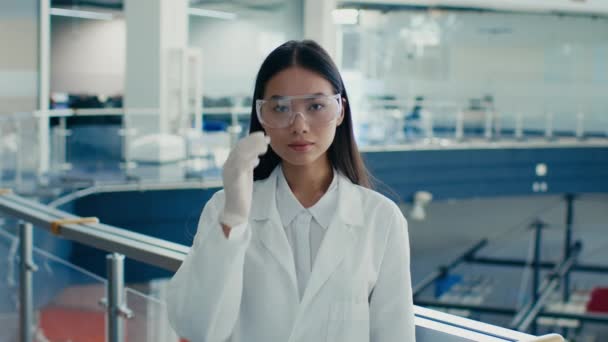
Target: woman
296, 247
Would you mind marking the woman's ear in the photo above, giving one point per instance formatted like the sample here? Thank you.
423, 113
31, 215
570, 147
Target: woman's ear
341, 117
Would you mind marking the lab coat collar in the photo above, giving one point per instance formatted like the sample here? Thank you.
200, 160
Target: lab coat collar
287, 203
289, 207
350, 205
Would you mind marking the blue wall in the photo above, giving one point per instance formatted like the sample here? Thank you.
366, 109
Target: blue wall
171, 215
451, 174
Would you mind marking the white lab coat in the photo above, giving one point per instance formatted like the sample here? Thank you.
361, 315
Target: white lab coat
245, 289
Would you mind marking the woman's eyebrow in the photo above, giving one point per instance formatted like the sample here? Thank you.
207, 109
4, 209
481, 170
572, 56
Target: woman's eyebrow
279, 97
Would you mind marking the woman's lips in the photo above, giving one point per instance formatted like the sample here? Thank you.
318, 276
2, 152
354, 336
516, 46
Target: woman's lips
301, 147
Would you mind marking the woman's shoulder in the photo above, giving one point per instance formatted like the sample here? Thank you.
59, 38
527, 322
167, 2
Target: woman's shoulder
376, 201
382, 216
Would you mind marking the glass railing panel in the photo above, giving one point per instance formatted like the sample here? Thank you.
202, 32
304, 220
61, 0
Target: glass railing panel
9, 286
66, 297
67, 300
149, 322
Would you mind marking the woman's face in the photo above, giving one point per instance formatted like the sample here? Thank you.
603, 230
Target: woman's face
301, 143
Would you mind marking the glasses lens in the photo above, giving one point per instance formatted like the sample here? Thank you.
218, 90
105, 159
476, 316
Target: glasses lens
321, 110
318, 110
276, 113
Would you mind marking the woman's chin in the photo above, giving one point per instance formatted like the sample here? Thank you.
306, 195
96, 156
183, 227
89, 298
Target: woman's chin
300, 159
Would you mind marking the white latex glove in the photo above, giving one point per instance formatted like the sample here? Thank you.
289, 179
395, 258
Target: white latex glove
238, 178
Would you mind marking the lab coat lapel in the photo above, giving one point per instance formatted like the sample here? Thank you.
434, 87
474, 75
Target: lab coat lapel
269, 228
340, 239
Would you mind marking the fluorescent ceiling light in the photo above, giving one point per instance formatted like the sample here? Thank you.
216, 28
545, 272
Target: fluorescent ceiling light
566, 6
211, 13
345, 16
65, 12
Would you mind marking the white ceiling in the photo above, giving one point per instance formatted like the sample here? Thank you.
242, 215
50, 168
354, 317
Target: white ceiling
565, 6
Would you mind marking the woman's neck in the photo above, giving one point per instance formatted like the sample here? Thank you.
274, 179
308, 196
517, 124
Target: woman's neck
308, 182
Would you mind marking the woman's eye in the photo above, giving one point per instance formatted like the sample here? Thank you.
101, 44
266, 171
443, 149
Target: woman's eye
281, 109
316, 106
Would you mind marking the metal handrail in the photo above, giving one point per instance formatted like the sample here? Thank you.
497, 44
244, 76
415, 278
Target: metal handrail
147, 249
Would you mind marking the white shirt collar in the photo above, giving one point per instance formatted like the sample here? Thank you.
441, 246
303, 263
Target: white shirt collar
289, 206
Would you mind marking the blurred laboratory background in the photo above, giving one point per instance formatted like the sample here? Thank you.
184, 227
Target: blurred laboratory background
486, 121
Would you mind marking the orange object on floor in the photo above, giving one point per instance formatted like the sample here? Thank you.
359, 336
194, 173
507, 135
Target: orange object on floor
67, 324
599, 300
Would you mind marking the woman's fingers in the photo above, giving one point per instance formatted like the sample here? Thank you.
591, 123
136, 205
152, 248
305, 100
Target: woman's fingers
252, 146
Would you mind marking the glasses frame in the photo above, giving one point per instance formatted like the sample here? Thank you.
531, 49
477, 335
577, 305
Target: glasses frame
260, 102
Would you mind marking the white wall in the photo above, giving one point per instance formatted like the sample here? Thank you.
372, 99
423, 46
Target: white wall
87, 56
234, 50
19, 56
529, 63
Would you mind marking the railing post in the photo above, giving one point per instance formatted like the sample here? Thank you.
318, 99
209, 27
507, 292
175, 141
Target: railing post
27, 267
429, 126
116, 309
519, 126
488, 123
549, 126
64, 133
538, 226
126, 135
497, 125
580, 126
565, 285
459, 131
18, 154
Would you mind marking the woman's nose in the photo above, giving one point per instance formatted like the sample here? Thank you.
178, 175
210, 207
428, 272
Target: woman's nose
299, 124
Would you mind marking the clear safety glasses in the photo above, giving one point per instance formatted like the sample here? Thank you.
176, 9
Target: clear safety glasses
317, 110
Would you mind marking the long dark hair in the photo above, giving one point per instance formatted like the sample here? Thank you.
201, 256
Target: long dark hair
343, 153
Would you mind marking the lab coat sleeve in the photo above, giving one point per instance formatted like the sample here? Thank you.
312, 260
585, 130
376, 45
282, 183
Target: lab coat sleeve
204, 296
391, 302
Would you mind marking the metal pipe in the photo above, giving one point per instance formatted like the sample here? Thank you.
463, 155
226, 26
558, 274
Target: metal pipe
530, 317
496, 310
545, 265
529, 313
44, 85
140, 247
538, 226
431, 278
18, 158
506, 311
27, 267
565, 285
587, 318
114, 294
568, 244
